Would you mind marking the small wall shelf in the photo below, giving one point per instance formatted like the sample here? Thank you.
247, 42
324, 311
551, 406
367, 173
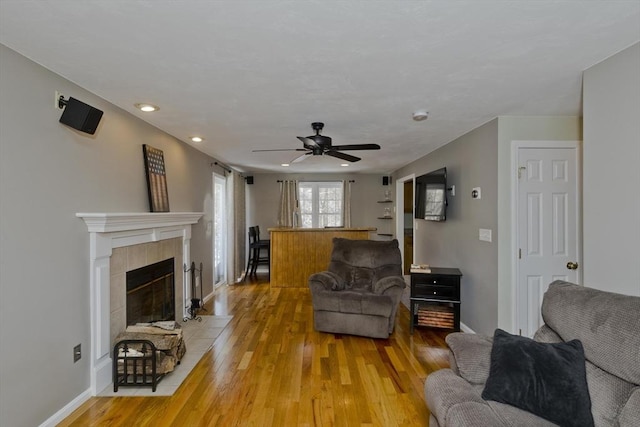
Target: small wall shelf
386, 215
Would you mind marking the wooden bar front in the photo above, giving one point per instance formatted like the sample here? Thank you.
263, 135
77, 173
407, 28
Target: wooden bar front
297, 253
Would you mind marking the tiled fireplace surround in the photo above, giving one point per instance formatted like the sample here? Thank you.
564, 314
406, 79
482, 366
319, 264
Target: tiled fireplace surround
119, 242
131, 257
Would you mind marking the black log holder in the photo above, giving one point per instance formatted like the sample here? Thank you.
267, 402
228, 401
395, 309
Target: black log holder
196, 303
135, 368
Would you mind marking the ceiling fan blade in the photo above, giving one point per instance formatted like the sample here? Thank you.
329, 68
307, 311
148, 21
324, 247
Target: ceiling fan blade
281, 149
301, 158
342, 156
356, 147
307, 141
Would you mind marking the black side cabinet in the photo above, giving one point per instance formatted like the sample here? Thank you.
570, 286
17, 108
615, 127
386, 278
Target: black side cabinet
435, 298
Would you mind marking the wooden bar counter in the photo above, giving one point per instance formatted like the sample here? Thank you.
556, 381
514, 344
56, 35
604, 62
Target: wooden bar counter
297, 253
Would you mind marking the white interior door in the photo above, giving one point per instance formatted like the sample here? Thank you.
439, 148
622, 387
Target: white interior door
548, 224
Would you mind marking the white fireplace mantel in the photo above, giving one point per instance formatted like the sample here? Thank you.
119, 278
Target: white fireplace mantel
114, 230
111, 222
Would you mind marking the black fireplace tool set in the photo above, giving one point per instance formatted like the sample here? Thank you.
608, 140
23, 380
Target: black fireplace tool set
196, 303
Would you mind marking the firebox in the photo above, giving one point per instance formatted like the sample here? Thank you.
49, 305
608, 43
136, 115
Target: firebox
151, 293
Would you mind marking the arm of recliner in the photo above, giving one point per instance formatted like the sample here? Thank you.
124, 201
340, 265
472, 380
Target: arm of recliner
327, 281
470, 356
386, 283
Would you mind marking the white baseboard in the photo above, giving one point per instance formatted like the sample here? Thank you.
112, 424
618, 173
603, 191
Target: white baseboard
207, 298
466, 329
68, 409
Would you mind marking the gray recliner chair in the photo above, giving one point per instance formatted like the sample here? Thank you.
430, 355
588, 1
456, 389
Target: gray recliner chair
360, 292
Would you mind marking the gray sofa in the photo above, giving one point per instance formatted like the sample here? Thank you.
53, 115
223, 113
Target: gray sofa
608, 326
361, 289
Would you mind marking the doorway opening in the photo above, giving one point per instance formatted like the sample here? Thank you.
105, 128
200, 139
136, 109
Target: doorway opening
405, 223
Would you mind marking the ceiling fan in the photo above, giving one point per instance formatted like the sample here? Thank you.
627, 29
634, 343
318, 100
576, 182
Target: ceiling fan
318, 145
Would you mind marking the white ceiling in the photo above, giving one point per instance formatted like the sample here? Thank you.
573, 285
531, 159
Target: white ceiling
254, 74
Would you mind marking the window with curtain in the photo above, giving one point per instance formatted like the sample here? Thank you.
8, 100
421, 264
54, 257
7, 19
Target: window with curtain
321, 204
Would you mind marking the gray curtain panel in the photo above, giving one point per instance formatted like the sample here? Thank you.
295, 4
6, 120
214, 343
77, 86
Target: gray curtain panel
288, 208
236, 262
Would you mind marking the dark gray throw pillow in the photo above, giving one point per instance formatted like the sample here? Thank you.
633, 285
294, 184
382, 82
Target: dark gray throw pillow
546, 379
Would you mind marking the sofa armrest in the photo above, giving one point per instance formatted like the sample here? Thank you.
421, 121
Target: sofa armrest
471, 356
386, 283
454, 402
326, 280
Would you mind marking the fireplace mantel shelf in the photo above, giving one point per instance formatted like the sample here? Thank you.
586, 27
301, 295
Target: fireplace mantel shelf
125, 221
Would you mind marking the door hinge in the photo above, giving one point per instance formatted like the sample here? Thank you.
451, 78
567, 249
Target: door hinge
520, 332
520, 169
519, 253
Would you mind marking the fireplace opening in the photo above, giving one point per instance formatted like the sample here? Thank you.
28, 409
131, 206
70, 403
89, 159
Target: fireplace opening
151, 293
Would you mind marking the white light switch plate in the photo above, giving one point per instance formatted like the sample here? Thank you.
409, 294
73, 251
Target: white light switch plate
485, 234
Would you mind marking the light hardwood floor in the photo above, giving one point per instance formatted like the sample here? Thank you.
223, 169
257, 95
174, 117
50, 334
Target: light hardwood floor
269, 367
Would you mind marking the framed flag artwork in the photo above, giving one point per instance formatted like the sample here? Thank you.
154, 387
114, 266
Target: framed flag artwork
156, 179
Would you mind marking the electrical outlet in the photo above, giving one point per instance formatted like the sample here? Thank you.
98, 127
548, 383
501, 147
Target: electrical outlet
77, 353
484, 234
57, 100
452, 190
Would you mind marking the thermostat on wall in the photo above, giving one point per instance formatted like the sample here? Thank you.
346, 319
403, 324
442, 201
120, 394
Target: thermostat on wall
476, 193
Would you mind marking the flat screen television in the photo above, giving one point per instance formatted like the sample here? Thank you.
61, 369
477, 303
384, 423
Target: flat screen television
431, 196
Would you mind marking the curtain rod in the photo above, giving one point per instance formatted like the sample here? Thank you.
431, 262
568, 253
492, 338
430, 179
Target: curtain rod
223, 167
323, 180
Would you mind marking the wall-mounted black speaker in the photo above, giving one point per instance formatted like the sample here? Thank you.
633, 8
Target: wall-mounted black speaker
250, 180
386, 180
80, 116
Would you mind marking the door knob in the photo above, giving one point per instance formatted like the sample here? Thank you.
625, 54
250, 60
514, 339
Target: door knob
572, 265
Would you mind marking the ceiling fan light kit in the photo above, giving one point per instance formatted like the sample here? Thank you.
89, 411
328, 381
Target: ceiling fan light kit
319, 145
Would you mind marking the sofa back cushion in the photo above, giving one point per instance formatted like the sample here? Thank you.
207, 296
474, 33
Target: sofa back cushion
608, 392
607, 324
608, 395
363, 262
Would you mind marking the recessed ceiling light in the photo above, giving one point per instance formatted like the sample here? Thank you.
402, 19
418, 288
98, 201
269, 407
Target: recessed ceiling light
285, 164
344, 164
147, 108
420, 115
197, 139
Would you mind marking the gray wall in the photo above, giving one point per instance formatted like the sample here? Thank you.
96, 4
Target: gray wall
481, 158
471, 161
612, 173
263, 196
48, 172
